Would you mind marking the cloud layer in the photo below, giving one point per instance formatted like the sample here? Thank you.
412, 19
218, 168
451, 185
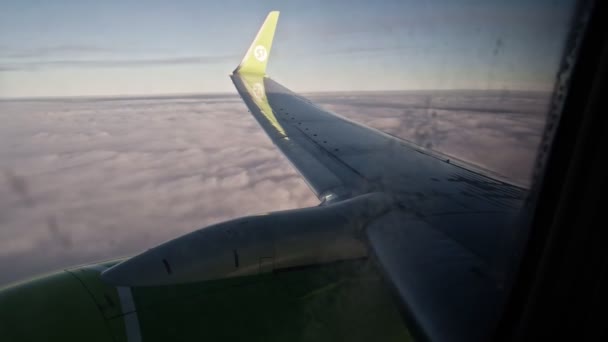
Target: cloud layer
90, 179
114, 63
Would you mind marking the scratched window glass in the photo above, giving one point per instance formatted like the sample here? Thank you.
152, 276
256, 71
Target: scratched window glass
341, 123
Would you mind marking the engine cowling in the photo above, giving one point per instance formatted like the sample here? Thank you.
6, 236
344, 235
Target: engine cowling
256, 244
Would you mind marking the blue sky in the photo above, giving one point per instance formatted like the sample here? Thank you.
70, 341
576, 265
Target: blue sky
76, 48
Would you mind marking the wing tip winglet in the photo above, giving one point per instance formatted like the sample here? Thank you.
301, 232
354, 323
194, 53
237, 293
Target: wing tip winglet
256, 58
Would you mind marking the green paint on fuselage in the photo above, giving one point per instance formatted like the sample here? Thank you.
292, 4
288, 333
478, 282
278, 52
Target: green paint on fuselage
336, 302
346, 301
53, 308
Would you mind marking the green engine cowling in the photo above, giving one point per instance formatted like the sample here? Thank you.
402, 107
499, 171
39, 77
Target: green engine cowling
57, 307
346, 300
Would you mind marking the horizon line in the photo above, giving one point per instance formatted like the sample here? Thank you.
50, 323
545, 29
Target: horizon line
225, 94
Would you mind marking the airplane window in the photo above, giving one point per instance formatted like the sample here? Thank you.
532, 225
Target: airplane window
360, 175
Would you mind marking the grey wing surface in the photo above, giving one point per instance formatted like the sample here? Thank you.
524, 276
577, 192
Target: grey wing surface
444, 248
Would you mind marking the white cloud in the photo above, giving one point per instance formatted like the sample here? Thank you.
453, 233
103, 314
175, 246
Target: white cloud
90, 179
108, 178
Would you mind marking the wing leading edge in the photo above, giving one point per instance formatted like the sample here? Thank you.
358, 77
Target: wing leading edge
445, 247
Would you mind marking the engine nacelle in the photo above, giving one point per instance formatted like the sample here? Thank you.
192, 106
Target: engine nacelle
256, 244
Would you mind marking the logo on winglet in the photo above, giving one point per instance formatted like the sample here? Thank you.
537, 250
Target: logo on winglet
258, 91
260, 53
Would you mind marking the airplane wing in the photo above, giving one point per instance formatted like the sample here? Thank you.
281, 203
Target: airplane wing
446, 250
440, 230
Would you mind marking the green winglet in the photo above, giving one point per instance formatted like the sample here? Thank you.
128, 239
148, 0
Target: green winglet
256, 58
